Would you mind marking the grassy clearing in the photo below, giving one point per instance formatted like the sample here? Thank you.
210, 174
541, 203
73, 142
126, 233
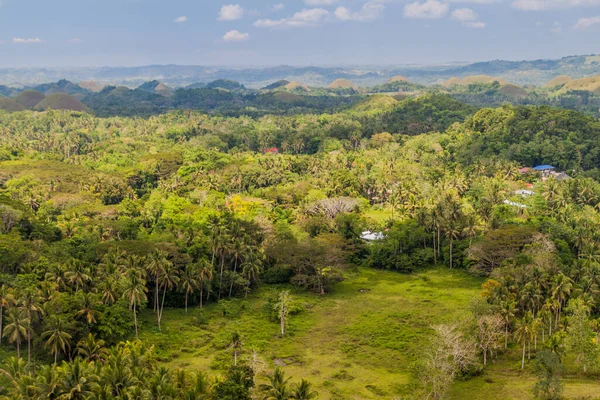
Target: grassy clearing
356, 343
504, 380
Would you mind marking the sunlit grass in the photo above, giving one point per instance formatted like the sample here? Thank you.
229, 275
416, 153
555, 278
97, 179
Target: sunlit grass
355, 343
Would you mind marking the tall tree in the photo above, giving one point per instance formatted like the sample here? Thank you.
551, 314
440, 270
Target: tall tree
188, 284
135, 293
284, 302
205, 274
30, 303
168, 281
236, 346
6, 299
57, 338
16, 329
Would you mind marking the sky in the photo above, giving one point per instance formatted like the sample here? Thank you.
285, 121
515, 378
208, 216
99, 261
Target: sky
61, 33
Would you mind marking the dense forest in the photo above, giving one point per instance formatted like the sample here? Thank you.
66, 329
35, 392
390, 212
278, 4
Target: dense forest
245, 225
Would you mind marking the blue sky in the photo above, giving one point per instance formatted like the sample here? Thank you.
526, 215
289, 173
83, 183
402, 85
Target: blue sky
52, 33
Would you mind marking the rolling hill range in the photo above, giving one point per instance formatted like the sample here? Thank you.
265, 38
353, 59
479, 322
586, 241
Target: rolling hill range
536, 72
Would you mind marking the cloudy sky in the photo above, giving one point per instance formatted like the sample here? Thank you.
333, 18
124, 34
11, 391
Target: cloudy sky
296, 32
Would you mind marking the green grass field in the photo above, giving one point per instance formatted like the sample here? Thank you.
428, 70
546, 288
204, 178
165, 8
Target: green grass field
358, 342
355, 343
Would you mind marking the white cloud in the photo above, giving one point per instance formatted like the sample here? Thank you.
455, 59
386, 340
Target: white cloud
369, 12
231, 12
538, 5
321, 2
301, 19
475, 24
75, 41
468, 18
235, 36
585, 23
430, 9
181, 19
464, 14
27, 41
278, 7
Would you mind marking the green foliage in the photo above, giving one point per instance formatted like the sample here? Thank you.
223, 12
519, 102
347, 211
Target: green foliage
549, 370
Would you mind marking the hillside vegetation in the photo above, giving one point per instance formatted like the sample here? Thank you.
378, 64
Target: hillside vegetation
386, 249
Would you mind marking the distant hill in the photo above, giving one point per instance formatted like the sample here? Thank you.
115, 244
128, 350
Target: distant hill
296, 86
397, 78
61, 101
92, 86
558, 81
29, 98
62, 86
8, 91
156, 87
276, 85
163, 90
148, 86
10, 105
527, 72
197, 85
512, 90
467, 80
342, 84
590, 84
225, 84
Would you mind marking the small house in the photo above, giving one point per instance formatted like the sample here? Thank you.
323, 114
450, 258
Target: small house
371, 236
524, 193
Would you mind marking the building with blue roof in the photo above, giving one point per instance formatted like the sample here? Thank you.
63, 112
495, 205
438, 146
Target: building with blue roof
543, 168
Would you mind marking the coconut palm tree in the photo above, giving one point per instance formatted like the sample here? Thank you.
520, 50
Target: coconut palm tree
507, 311
16, 329
303, 391
47, 383
168, 280
78, 380
561, 290
205, 274
6, 299
87, 305
57, 338
30, 304
77, 274
188, 283
236, 346
155, 268
277, 388
524, 333
135, 293
91, 349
